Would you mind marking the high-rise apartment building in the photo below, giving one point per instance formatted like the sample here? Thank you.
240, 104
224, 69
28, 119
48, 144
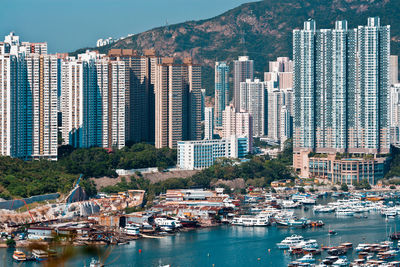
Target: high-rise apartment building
28, 109
42, 79
221, 90
93, 101
237, 124
355, 63
208, 123
243, 69
394, 69
177, 102
341, 87
252, 100
395, 114
139, 93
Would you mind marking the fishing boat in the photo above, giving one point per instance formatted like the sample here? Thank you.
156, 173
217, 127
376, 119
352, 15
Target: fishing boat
290, 241
317, 224
19, 256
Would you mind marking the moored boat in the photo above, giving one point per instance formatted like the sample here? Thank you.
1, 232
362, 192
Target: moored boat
19, 256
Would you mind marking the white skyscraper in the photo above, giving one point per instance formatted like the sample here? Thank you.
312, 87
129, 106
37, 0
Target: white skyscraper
93, 101
42, 79
252, 101
208, 123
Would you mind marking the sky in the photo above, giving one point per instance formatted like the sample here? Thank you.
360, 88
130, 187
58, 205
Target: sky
67, 25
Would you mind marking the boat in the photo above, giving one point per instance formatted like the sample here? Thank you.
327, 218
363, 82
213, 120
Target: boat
292, 222
40, 255
362, 247
132, 229
332, 232
250, 220
317, 224
341, 262
290, 241
188, 223
344, 212
311, 243
19, 256
308, 258
95, 263
167, 224
395, 236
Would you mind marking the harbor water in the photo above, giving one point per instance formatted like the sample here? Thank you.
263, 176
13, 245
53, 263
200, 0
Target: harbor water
228, 245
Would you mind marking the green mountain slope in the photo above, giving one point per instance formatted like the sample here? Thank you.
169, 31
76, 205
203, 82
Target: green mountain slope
261, 30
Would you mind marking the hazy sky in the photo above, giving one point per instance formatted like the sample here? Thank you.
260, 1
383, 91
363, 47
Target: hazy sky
70, 24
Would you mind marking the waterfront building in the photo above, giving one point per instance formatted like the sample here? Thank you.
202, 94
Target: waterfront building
193, 155
243, 69
344, 170
209, 123
354, 117
221, 90
177, 102
252, 100
237, 124
394, 69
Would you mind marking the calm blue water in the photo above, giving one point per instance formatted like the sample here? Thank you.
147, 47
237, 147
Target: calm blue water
236, 245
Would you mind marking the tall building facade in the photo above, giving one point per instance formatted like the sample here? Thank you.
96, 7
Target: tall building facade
395, 114
139, 93
252, 100
243, 69
341, 91
221, 90
209, 123
28, 109
394, 69
177, 102
237, 124
93, 101
353, 117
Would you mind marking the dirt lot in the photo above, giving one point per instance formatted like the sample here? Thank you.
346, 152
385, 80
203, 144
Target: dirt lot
153, 177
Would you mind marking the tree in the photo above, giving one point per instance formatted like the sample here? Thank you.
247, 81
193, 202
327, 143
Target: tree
392, 187
334, 188
301, 190
344, 187
10, 243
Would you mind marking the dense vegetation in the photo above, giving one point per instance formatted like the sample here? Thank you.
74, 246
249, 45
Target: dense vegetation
20, 178
261, 30
394, 170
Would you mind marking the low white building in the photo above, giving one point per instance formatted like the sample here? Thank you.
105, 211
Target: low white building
203, 153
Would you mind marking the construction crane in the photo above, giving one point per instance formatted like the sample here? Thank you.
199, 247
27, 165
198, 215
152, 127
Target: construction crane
27, 208
71, 195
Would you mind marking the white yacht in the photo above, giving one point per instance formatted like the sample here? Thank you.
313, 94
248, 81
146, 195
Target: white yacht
345, 212
249, 220
290, 241
132, 229
311, 243
167, 224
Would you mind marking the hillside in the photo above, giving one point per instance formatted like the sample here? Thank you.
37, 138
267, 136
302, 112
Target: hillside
261, 30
